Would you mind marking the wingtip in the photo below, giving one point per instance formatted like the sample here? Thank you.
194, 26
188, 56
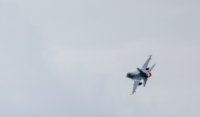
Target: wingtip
132, 93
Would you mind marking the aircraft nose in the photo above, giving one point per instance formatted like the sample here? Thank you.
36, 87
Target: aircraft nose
128, 75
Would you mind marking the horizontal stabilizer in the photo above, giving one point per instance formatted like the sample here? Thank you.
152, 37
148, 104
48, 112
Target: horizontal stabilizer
145, 81
152, 67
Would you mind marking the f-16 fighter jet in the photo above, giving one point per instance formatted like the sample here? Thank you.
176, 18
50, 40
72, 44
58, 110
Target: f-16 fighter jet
142, 73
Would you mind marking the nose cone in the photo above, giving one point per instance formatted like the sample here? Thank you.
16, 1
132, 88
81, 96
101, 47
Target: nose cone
129, 75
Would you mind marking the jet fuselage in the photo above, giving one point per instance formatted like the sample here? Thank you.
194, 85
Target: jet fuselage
134, 76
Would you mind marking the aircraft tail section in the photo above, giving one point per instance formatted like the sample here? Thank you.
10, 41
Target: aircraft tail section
152, 67
145, 81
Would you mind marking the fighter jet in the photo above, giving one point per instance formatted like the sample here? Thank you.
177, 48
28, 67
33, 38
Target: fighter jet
142, 73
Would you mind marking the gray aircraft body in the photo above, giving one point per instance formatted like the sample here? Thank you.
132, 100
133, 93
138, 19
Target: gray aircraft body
142, 73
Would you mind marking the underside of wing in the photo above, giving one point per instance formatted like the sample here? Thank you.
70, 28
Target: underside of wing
146, 63
135, 86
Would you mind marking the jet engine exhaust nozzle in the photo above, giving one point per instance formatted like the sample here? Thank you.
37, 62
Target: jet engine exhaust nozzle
148, 74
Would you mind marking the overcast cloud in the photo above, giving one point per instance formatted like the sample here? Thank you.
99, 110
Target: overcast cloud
69, 58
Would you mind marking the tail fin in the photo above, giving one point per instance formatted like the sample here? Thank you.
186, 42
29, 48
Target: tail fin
152, 67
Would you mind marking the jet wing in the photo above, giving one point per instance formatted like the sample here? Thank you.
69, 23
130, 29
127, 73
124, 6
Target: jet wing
135, 86
146, 63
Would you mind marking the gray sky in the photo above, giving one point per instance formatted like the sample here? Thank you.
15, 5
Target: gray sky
69, 58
